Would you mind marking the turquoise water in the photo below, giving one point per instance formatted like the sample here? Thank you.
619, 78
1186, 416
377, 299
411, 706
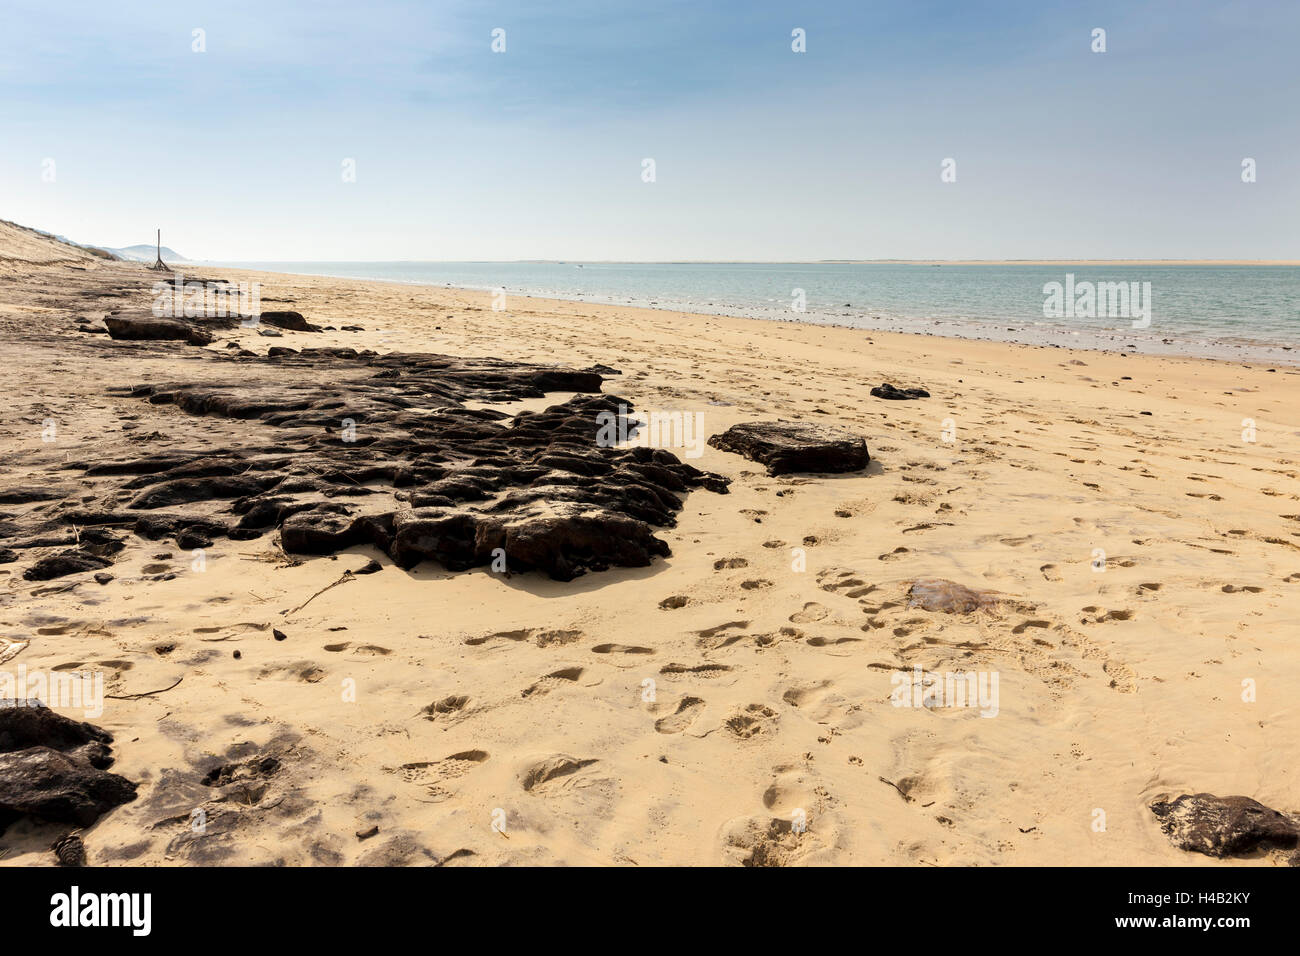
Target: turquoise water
1190, 304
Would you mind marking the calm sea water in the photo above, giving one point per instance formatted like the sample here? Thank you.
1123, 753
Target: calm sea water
1190, 304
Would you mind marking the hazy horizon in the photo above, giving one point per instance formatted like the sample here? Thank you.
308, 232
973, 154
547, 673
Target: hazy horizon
117, 125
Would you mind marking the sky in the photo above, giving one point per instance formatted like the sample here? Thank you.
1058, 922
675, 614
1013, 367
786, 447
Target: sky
113, 124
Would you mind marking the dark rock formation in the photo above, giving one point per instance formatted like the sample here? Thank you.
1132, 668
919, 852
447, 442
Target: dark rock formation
361, 448
72, 561
1224, 826
94, 548
893, 393
293, 321
139, 327
25, 494
54, 768
786, 447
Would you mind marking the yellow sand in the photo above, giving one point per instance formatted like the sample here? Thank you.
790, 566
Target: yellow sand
771, 685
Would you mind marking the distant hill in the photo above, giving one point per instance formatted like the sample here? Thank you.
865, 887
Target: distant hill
23, 244
147, 252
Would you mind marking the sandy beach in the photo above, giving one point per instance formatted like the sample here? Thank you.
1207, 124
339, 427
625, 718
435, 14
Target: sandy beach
1139, 517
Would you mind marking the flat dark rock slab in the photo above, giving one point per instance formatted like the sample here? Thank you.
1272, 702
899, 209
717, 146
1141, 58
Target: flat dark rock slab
147, 327
52, 786
786, 447
895, 394
1224, 826
71, 561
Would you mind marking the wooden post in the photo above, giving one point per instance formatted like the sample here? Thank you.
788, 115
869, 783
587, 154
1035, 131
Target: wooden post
159, 264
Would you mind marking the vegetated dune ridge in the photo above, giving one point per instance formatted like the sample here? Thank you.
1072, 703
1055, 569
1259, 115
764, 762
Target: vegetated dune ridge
705, 708
21, 244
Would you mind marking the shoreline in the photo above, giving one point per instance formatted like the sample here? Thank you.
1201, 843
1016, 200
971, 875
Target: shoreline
1036, 336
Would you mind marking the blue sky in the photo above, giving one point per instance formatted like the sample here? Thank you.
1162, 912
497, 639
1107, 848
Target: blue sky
760, 152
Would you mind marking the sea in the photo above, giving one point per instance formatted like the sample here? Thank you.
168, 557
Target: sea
1220, 311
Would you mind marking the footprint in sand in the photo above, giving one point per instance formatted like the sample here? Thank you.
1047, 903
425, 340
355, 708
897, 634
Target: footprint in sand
839, 579
811, 613
715, 638
791, 790
621, 649
766, 841
674, 602
1101, 616
431, 774
696, 670
1122, 677
360, 650
542, 637
448, 705
540, 776
818, 701
753, 721
521, 634
688, 709
1050, 573
723, 564
819, 641
552, 680
755, 584
304, 671
772, 638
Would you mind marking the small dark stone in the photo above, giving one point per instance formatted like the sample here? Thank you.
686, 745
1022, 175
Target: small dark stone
895, 394
367, 834
278, 634
190, 540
